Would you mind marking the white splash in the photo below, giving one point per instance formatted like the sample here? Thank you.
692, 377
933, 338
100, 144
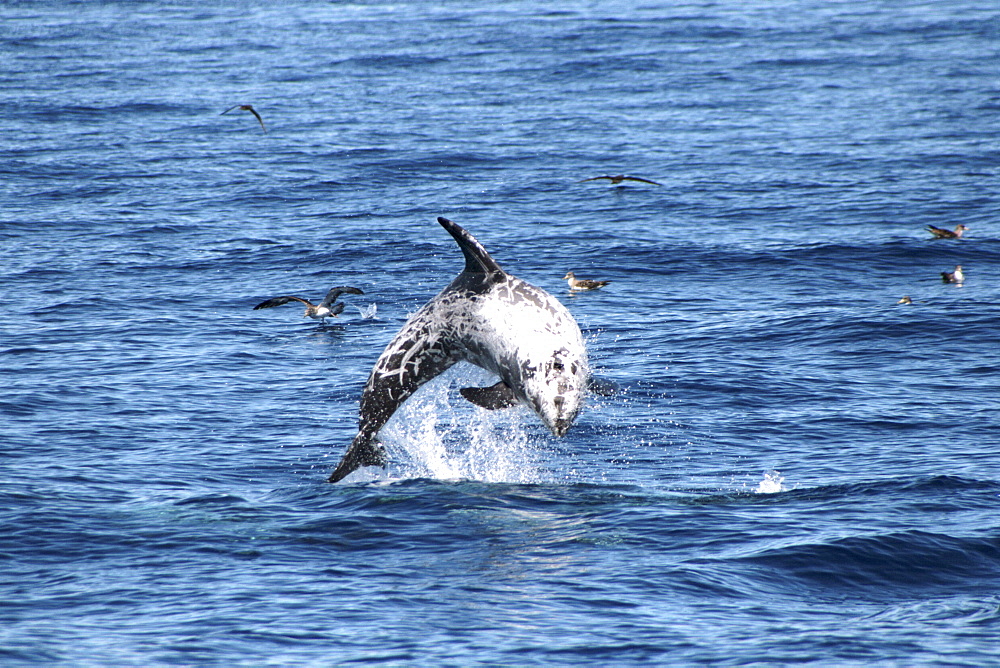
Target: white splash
438, 434
771, 484
369, 312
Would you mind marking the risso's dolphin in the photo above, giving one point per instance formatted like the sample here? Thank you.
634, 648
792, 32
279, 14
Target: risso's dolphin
493, 320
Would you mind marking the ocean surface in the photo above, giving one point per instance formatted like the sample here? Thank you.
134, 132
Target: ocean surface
794, 468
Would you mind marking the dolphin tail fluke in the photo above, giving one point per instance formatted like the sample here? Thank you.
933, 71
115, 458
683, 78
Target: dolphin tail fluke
364, 451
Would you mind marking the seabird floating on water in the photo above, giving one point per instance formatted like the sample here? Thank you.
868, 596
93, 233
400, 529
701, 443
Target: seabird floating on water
618, 178
940, 233
905, 299
328, 308
953, 276
246, 107
582, 283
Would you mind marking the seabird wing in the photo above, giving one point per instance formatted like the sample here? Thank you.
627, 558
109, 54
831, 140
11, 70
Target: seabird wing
332, 295
278, 301
259, 119
636, 178
939, 232
588, 284
229, 109
595, 178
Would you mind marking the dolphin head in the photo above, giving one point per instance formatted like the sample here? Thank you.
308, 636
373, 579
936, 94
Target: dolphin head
555, 387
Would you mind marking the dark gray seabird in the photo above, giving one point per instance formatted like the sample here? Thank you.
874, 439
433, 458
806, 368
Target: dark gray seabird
953, 276
582, 283
246, 107
618, 178
940, 233
328, 308
488, 318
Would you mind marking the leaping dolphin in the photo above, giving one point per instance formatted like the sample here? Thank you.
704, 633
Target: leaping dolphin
491, 319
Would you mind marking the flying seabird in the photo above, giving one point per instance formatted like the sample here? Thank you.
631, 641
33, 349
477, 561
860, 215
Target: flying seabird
940, 233
584, 283
246, 107
618, 178
328, 308
953, 276
905, 299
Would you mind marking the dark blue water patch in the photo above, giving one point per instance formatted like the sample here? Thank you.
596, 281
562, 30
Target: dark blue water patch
877, 567
20, 408
675, 27
341, 259
20, 403
874, 263
57, 113
435, 162
590, 68
134, 232
885, 566
614, 652
987, 26
880, 331
222, 500
389, 61
831, 64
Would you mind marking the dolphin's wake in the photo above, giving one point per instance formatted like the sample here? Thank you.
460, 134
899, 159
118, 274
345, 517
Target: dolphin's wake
438, 434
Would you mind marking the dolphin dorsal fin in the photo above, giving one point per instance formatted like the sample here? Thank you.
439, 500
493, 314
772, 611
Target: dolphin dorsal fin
477, 259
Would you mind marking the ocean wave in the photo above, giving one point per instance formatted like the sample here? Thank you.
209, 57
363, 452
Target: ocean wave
886, 564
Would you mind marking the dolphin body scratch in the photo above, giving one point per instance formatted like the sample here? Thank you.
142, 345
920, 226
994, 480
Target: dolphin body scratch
491, 319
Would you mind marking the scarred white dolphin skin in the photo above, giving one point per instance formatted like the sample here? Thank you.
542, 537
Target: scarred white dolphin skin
491, 319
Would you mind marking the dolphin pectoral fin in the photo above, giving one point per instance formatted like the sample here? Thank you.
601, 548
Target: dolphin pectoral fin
491, 398
603, 387
364, 451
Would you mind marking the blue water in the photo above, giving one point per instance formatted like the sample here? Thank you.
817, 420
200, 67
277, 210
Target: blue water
794, 469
